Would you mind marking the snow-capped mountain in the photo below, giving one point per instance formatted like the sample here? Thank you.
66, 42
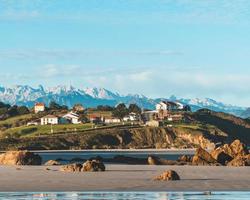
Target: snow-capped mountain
91, 97
101, 93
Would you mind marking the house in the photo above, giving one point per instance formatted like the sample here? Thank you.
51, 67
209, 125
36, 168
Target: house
39, 107
78, 108
149, 115
72, 117
131, 117
111, 120
49, 119
167, 106
95, 118
180, 106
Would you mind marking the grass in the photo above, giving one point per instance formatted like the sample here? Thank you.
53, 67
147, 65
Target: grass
32, 131
13, 120
198, 127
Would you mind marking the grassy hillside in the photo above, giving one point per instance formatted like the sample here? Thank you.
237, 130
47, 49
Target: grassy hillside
33, 131
201, 128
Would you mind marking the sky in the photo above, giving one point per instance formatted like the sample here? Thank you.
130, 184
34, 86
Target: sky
159, 48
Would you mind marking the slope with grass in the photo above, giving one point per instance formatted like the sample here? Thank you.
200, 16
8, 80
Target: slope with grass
204, 129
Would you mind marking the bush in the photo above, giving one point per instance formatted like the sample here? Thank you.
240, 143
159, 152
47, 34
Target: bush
28, 130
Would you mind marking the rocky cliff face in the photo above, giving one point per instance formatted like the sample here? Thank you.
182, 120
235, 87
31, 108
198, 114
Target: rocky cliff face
137, 138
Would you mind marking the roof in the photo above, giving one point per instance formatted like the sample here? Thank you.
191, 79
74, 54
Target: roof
111, 118
71, 115
39, 104
94, 116
50, 116
168, 103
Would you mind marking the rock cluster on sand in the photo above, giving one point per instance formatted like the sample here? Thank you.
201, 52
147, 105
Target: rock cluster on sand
20, 158
88, 166
93, 166
52, 163
202, 157
168, 176
234, 154
71, 168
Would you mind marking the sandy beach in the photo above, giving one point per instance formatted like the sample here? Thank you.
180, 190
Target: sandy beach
124, 178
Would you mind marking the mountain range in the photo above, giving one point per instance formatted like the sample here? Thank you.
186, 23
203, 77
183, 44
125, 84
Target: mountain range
92, 97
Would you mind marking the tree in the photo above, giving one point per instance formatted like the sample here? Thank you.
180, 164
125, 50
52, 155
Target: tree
55, 106
105, 108
22, 110
187, 108
3, 105
13, 111
135, 109
120, 111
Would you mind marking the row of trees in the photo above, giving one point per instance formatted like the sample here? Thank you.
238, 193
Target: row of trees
7, 110
121, 110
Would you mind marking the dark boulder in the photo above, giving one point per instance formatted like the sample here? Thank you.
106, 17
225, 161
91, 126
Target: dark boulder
93, 166
168, 176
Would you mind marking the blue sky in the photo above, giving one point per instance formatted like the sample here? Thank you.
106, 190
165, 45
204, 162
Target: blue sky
189, 48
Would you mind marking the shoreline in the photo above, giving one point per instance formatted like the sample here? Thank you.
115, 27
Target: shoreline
111, 150
124, 178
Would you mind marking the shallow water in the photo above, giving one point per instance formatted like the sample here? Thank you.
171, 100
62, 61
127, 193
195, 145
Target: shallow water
127, 195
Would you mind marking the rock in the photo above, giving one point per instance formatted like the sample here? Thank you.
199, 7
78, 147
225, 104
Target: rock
185, 158
238, 148
20, 158
220, 155
202, 157
93, 166
240, 161
168, 176
227, 153
52, 162
153, 160
72, 168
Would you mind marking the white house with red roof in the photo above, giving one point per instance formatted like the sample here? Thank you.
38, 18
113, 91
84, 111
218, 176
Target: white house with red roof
39, 107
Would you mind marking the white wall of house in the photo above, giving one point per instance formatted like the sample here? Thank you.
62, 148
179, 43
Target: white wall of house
113, 120
39, 108
49, 120
161, 106
74, 118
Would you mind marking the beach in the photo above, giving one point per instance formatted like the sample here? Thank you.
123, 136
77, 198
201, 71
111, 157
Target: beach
124, 178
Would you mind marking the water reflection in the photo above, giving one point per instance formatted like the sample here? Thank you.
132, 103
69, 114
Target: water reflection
127, 196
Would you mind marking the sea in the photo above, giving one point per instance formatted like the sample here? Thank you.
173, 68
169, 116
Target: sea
67, 156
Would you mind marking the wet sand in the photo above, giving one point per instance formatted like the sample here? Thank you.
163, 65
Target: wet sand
124, 178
